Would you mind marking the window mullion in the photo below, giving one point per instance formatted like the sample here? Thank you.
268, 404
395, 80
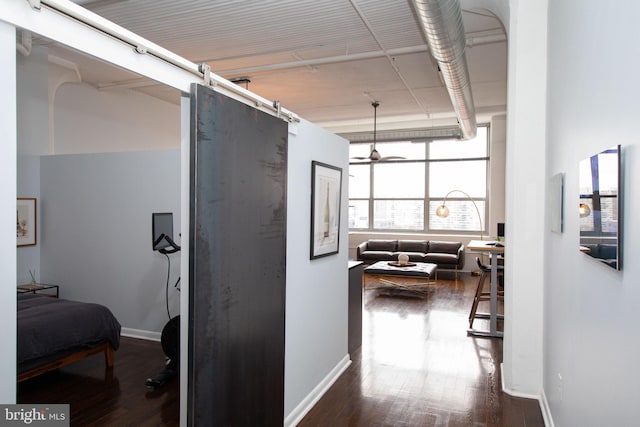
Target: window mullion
371, 195
427, 195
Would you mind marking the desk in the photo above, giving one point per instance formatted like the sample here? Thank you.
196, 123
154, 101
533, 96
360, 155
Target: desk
494, 251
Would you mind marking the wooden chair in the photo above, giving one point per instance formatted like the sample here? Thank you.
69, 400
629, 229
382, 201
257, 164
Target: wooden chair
481, 295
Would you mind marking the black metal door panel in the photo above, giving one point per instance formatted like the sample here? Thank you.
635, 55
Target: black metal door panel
237, 263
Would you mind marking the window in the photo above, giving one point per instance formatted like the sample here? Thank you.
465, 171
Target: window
402, 193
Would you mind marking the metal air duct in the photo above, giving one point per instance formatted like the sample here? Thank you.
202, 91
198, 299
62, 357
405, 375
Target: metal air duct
441, 22
24, 42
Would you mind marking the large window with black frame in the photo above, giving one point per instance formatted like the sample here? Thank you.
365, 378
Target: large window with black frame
401, 191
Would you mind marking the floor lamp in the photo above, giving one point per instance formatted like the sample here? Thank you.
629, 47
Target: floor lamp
443, 211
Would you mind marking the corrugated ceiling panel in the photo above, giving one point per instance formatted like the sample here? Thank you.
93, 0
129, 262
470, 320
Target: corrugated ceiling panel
393, 22
246, 28
241, 35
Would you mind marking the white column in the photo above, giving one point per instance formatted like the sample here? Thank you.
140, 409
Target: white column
525, 198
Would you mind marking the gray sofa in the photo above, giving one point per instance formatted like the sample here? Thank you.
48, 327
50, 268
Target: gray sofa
448, 255
607, 253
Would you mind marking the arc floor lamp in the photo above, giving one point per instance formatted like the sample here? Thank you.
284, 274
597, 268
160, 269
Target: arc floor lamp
443, 211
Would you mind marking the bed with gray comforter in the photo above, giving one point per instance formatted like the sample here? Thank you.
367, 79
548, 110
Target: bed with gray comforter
50, 329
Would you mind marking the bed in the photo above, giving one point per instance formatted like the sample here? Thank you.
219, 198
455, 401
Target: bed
54, 332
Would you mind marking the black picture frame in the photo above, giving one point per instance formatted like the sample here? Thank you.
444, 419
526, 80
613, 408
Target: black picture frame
326, 199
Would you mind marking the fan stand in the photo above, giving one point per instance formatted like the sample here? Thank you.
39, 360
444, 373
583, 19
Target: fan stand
170, 340
170, 337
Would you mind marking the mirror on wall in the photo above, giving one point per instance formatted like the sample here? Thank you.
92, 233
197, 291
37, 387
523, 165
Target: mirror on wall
600, 213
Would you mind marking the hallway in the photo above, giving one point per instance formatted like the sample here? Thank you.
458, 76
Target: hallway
418, 367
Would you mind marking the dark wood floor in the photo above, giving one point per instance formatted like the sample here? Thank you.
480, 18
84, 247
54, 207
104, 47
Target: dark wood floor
115, 398
416, 367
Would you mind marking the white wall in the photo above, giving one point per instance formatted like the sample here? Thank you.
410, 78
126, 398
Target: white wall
33, 141
591, 338
8, 139
316, 300
525, 197
88, 120
96, 231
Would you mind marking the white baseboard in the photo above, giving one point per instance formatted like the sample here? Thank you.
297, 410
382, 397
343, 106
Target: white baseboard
542, 400
312, 398
140, 334
546, 411
515, 393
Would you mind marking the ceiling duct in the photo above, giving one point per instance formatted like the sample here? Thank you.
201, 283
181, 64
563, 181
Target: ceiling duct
24, 41
441, 22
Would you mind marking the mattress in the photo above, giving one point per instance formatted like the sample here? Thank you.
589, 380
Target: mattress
50, 327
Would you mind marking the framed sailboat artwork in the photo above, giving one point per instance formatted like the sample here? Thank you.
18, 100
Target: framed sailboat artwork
326, 185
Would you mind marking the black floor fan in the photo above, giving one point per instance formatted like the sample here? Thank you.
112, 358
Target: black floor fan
170, 337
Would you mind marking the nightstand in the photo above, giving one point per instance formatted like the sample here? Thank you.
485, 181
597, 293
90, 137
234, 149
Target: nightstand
39, 288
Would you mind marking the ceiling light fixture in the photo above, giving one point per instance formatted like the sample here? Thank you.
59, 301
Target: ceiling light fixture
374, 153
374, 156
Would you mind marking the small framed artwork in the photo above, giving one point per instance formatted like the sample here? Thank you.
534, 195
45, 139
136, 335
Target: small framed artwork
26, 219
556, 203
326, 186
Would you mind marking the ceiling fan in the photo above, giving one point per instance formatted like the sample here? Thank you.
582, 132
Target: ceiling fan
375, 156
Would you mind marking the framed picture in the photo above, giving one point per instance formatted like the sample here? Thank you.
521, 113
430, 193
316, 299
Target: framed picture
27, 226
326, 185
556, 203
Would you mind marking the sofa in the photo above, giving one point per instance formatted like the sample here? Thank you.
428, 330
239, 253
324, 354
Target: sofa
448, 255
607, 253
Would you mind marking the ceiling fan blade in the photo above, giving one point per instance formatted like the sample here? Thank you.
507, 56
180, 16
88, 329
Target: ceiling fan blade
393, 158
360, 158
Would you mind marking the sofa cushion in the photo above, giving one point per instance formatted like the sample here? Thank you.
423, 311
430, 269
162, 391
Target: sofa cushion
382, 245
412, 246
413, 256
443, 260
607, 251
377, 256
444, 247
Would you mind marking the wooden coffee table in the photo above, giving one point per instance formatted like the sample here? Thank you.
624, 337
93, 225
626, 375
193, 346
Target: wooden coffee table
406, 278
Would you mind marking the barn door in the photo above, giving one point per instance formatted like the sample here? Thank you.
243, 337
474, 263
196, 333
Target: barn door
237, 263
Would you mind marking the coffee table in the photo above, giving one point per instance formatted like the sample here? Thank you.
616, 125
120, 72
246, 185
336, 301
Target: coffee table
412, 271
